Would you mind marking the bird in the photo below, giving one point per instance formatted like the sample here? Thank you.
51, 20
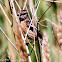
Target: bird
25, 22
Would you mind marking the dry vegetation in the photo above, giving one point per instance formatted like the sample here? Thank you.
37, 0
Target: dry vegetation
30, 31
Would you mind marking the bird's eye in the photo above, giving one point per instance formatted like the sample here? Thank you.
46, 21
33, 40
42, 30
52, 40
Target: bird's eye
17, 14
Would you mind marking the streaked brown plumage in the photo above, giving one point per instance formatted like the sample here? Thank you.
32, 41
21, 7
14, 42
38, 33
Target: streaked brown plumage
25, 22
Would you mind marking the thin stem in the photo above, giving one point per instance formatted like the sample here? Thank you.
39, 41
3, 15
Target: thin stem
30, 44
42, 20
33, 49
42, 25
17, 5
25, 4
37, 7
44, 13
53, 1
7, 18
34, 39
33, 11
36, 56
33, 16
36, 3
5, 15
7, 9
8, 39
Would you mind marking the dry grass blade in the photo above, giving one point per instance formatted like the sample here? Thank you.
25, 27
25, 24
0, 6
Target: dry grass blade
20, 41
53, 1
17, 5
36, 3
33, 10
9, 23
5, 15
42, 25
34, 17
25, 4
37, 7
44, 13
8, 39
30, 44
7, 18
